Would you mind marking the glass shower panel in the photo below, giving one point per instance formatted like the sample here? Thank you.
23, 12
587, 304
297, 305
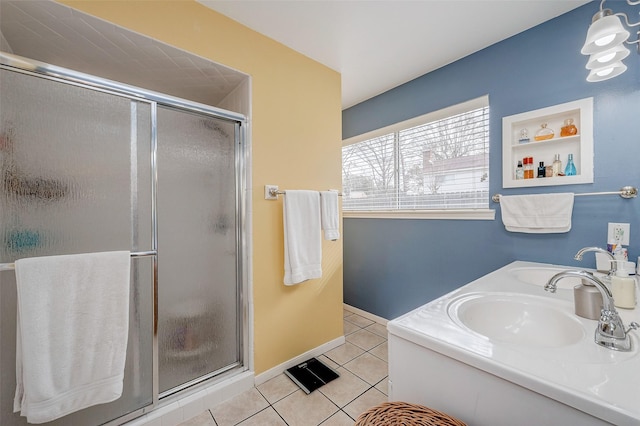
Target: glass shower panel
198, 329
75, 177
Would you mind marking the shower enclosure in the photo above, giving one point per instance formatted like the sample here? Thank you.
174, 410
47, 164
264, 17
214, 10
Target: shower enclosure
89, 165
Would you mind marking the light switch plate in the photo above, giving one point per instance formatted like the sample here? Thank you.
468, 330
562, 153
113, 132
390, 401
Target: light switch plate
616, 228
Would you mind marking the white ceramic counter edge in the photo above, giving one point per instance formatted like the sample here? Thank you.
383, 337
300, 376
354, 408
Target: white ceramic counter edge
598, 381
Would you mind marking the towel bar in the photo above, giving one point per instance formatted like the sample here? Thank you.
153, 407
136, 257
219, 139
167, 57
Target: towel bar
12, 266
624, 192
271, 192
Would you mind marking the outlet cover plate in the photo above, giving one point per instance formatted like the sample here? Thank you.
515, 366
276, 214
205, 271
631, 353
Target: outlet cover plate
612, 231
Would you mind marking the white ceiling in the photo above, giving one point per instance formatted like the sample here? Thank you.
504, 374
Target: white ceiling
375, 45
378, 45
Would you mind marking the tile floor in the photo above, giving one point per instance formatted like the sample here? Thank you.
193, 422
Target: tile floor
362, 364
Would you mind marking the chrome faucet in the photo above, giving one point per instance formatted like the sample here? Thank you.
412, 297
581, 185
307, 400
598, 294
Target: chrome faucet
610, 331
613, 265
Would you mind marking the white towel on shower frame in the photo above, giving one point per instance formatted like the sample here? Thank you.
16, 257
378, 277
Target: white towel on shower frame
302, 236
72, 331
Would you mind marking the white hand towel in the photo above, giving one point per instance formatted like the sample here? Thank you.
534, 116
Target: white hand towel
329, 214
537, 213
73, 325
302, 239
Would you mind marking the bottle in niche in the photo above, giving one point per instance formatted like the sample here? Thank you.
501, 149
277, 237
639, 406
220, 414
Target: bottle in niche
544, 133
524, 136
548, 172
541, 170
528, 170
568, 129
556, 165
570, 170
519, 171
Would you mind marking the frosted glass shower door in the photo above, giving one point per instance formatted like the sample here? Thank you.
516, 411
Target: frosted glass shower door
198, 284
75, 176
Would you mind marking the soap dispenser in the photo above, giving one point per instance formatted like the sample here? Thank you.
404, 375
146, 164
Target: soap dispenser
588, 300
623, 289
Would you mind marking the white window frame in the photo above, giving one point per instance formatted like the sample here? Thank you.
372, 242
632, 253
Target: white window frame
468, 214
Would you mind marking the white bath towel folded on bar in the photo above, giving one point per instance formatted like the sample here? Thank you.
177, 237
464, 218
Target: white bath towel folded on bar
302, 236
73, 326
329, 214
537, 213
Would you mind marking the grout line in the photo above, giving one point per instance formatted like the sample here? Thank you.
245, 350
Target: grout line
214, 419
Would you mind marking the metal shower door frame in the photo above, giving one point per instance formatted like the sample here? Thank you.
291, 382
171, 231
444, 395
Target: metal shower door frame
38, 69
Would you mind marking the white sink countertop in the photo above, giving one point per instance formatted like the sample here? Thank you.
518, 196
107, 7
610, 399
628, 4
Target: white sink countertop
579, 373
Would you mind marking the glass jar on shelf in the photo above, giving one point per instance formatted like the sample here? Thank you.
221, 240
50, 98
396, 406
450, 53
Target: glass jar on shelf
544, 133
568, 129
524, 136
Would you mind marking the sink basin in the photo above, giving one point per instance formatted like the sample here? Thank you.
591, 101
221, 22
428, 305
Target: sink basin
540, 276
518, 319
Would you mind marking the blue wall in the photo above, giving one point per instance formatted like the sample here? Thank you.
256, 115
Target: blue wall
393, 265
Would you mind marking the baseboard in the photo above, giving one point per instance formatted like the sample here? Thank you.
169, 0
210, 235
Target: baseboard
366, 314
279, 369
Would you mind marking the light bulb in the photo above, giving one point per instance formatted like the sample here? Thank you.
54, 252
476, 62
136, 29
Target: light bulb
603, 41
605, 72
606, 58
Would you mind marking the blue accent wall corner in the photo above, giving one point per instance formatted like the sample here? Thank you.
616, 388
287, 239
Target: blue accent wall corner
393, 265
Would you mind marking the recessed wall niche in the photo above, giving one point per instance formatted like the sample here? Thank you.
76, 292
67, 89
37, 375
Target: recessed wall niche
540, 136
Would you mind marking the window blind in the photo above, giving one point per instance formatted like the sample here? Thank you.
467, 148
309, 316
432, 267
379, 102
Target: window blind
439, 164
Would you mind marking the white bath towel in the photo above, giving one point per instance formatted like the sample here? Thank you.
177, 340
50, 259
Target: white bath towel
73, 324
537, 213
302, 236
329, 214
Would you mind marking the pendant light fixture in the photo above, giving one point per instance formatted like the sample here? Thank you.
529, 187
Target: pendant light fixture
604, 43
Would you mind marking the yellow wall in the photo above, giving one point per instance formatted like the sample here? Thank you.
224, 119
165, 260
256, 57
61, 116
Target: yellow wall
296, 121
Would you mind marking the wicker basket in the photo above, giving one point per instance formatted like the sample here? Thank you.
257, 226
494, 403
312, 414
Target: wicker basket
405, 414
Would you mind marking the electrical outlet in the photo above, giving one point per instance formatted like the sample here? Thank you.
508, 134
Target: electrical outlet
618, 232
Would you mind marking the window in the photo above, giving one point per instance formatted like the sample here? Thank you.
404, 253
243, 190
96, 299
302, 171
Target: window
439, 161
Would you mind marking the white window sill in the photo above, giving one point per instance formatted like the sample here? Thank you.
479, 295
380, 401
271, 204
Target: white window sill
461, 214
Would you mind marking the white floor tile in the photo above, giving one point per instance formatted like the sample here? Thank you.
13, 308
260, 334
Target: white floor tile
300, 409
358, 320
277, 388
344, 353
365, 339
369, 368
239, 408
204, 419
